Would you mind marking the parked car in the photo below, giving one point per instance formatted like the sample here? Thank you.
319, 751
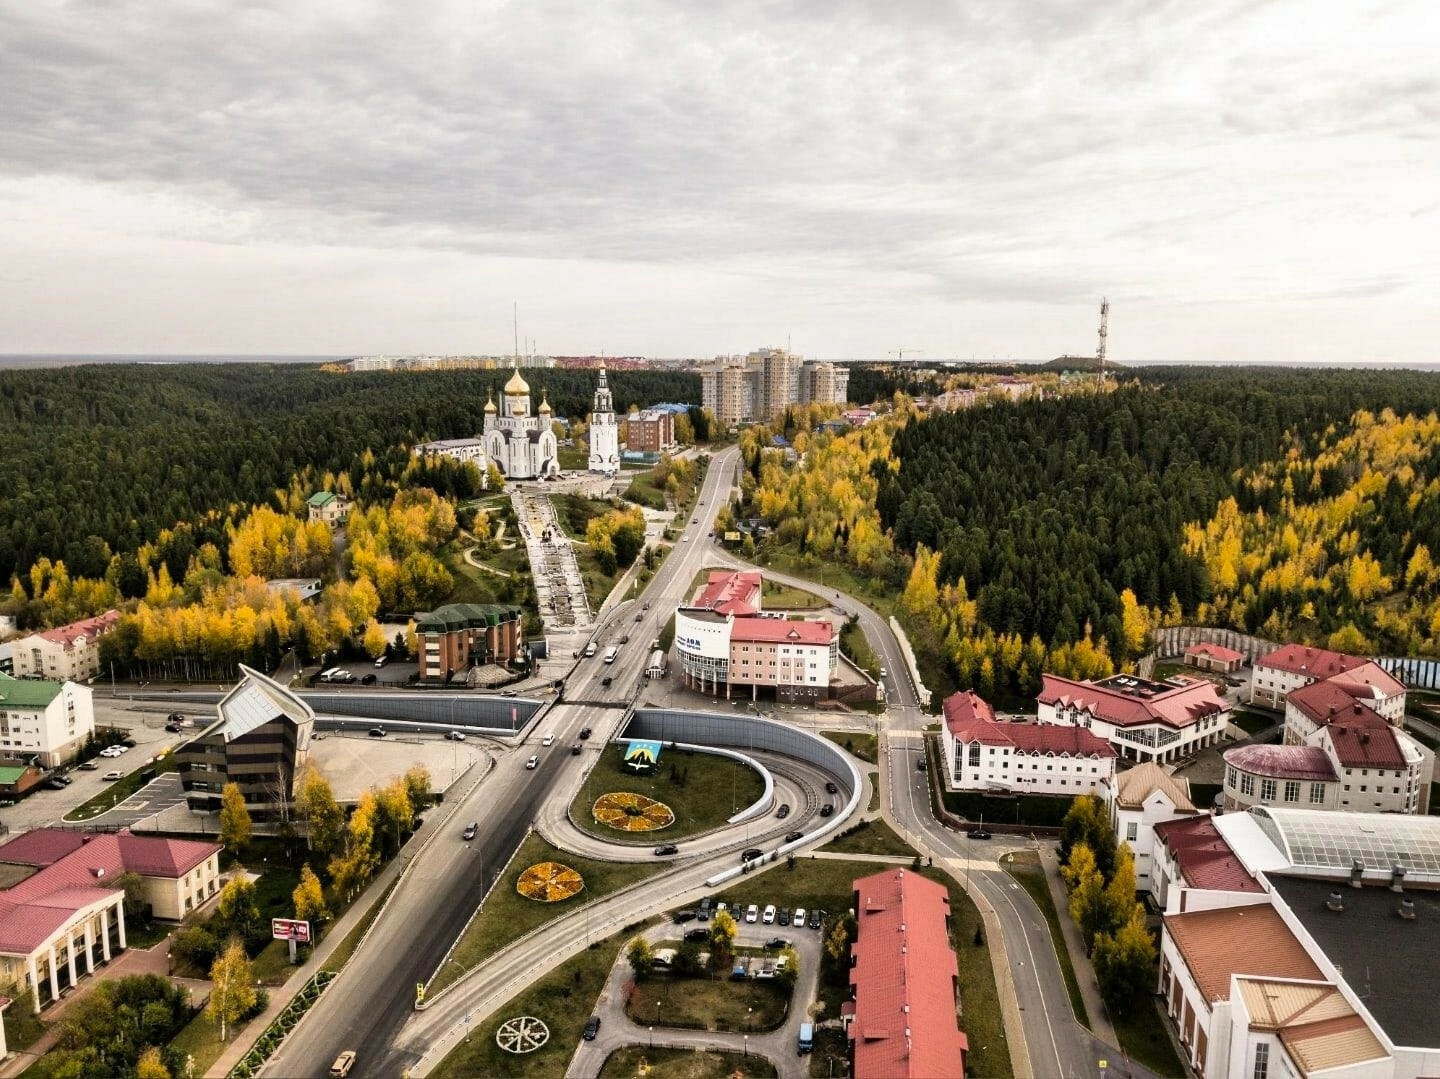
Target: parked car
470, 830
921, 765
978, 833
799, 917
368, 680
575, 750
814, 920
752, 913
827, 809
666, 848
54, 783
455, 736
703, 910
377, 732
782, 916
592, 1028
783, 811
830, 788
680, 917
174, 728
533, 762
380, 661
777, 943
769, 916
110, 777
750, 854
791, 837
87, 766
697, 934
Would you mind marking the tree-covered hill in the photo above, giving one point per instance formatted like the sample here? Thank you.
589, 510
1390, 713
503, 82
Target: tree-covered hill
105, 456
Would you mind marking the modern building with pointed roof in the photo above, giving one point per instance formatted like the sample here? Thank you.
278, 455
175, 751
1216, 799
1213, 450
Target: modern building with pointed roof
1144, 720
259, 741
518, 442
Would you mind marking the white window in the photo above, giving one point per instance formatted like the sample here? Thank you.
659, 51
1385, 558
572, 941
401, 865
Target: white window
1317, 794
1247, 784
1267, 790
1262, 1061
1132, 832
1292, 790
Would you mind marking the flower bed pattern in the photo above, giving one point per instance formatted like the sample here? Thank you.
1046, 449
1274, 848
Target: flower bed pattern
626, 812
549, 882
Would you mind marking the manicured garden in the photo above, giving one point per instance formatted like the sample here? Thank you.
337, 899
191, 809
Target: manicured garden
709, 1004
702, 790
1040, 810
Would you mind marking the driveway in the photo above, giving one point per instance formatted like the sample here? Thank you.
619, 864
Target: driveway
778, 1046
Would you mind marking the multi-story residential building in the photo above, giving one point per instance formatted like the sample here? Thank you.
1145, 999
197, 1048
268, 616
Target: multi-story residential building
1139, 799
328, 507
1311, 707
66, 652
45, 720
1293, 666
259, 741
458, 636
1019, 758
905, 980
69, 914
764, 383
725, 640
1142, 719
650, 431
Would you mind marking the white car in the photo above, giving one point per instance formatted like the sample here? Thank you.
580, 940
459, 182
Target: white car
548, 740
111, 751
799, 916
769, 916
455, 736
752, 913
533, 763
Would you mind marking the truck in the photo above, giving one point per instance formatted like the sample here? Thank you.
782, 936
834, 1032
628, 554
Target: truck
611, 653
805, 1040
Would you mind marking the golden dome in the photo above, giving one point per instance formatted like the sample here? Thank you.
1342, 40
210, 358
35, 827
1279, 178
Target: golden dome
490, 403
545, 405
516, 385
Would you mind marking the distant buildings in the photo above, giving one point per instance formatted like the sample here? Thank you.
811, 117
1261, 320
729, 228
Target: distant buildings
1019, 758
1213, 657
1143, 720
458, 636
604, 430
457, 449
259, 741
726, 642
65, 652
905, 980
327, 507
764, 383
45, 720
521, 445
650, 431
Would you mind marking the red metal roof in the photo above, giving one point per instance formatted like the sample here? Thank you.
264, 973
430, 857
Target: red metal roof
735, 593
964, 708
1321, 702
780, 631
1214, 651
1370, 681
1174, 706
88, 628
1316, 663
1365, 742
1282, 762
904, 976
1204, 858
1024, 737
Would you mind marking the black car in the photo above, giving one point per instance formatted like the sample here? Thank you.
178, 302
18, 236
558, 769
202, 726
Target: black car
606, 683
791, 837
697, 934
921, 764
128, 743
827, 809
751, 854
979, 833
174, 728
377, 732
680, 917
639, 617
782, 917
584, 733
368, 680
55, 783
666, 848
830, 788
575, 750
777, 943
592, 1028
814, 920
783, 811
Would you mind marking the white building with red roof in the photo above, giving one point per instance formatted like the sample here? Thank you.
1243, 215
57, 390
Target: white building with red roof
65, 653
1293, 666
905, 979
725, 641
1138, 799
984, 754
1142, 719
70, 914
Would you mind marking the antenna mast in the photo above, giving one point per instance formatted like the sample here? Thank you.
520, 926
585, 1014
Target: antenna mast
1104, 333
515, 324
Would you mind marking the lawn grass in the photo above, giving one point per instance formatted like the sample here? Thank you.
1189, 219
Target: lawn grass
857, 745
1253, 722
854, 644
1024, 866
626, 1062
831, 1055
200, 1041
506, 915
123, 787
714, 788
709, 1003
575, 512
23, 1028
874, 792
563, 999
1142, 1034
876, 593
598, 583
871, 837
781, 597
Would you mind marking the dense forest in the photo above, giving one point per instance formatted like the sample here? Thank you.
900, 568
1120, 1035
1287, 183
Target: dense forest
98, 459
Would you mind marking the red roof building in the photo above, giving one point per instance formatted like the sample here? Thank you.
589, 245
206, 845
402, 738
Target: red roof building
731, 593
65, 653
1142, 719
1190, 852
982, 753
1279, 674
1214, 657
905, 981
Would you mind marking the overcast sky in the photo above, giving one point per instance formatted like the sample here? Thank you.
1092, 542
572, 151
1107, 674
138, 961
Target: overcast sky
1245, 181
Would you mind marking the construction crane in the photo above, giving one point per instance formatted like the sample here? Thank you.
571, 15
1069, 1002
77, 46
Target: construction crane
899, 353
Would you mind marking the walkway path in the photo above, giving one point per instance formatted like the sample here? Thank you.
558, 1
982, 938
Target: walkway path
1100, 1024
559, 586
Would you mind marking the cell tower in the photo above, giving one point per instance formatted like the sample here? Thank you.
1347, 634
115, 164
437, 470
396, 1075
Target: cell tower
1104, 332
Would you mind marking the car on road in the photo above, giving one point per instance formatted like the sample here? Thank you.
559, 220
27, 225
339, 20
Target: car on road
799, 918
694, 520
87, 766
548, 740
174, 728
813, 921
592, 1028
110, 777
666, 848
921, 765
978, 833
606, 681
111, 751
883, 672
750, 854
791, 837
752, 913
56, 783
533, 762
470, 830
377, 732
827, 809
455, 736
830, 788
381, 660
769, 916
684, 537
343, 1063
640, 617
777, 943
644, 607
697, 934
783, 811
584, 733
575, 750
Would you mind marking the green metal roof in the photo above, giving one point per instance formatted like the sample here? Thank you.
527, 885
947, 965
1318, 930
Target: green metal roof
10, 774
455, 616
320, 498
27, 692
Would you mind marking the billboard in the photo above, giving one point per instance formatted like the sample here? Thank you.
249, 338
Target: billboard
290, 929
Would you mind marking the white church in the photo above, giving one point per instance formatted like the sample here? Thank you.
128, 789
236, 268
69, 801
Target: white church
604, 431
522, 446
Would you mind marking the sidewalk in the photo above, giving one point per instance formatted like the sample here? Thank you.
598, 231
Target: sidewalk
1099, 1024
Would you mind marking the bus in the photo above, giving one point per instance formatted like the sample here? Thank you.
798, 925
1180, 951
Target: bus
656, 669
611, 653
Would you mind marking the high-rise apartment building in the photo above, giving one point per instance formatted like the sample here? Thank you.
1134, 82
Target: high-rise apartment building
766, 382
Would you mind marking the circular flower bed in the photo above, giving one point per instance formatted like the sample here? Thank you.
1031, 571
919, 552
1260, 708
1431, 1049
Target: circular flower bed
522, 1034
549, 882
627, 812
